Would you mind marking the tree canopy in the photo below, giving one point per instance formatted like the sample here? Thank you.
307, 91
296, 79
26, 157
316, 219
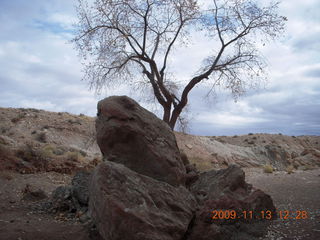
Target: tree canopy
123, 40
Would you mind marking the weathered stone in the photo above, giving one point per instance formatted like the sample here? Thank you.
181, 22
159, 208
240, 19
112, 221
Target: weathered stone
137, 194
216, 183
227, 190
80, 187
30, 194
130, 135
189, 146
62, 199
127, 205
184, 158
72, 198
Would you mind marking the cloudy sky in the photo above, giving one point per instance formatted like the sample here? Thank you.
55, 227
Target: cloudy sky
40, 69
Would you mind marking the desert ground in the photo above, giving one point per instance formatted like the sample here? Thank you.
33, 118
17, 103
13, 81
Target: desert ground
40, 151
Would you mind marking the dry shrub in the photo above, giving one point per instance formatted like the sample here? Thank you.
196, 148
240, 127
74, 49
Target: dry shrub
96, 161
59, 150
6, 175
26, 152
74, 156
201, 164
18, 118
290, 169
29, 194
37, 158
46, 152
74, 121
83, 153
268, 168
8, 160
308, 167
48, 158
42, 137
3, 141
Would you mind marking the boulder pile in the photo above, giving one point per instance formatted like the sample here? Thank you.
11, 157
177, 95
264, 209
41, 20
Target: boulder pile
144, 190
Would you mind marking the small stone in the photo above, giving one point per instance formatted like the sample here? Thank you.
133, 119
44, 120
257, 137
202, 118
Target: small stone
189, 146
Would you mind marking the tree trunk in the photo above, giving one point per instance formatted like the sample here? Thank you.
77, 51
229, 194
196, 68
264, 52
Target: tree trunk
166, 114
174, 117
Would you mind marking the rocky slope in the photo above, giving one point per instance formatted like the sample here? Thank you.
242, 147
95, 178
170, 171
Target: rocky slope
34, 140
252, 150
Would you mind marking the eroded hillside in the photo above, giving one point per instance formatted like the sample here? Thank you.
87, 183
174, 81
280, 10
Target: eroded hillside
33, 140
252, 150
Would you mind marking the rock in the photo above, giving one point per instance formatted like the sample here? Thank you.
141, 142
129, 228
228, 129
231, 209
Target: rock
139, 192
184, 158
72, 198
189, 146
192, 174
310, 157
217, 182
80, 187
192, 171
62, 199
128, 205
191, 168
294, 155
130, 135
84, 218
191, 178
6, 140
30, 194
227, 190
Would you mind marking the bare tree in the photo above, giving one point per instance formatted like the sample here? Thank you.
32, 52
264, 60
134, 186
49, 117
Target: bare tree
124, 38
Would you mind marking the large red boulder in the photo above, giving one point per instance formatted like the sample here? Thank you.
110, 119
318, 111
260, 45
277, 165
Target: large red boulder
131, 135
139, 192
225, 191
130, 206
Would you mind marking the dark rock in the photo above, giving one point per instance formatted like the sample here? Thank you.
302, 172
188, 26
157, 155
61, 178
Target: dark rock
62, 199
72, 198
84, 218
33, 195
192, 171
184, 158
216, 183
130, 135
127, 205
191, 177
227, 190
80, 187
191, 168
139, 193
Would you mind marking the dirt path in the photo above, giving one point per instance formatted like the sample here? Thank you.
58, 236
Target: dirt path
299, 191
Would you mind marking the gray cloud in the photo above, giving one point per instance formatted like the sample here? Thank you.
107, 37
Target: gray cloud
313, 73
307, 42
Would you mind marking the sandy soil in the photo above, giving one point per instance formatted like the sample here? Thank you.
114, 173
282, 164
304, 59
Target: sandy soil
20, 219
299, 191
